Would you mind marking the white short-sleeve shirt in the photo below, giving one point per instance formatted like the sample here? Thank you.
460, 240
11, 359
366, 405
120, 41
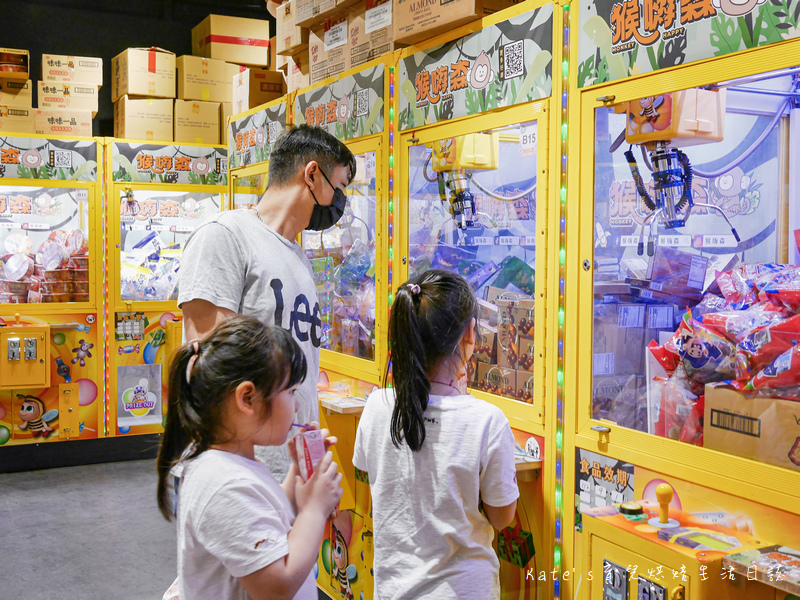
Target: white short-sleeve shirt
233, 520
431, 540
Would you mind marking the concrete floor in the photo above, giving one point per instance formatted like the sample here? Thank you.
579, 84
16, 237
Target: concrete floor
89, 533
86, 532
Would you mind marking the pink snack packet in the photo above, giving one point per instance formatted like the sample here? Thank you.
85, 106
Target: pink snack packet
310, 446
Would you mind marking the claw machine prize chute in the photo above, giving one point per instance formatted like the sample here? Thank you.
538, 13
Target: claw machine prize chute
158, 197
50, 277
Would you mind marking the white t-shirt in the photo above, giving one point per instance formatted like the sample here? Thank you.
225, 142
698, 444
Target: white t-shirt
235, 261
431, 541
233, 519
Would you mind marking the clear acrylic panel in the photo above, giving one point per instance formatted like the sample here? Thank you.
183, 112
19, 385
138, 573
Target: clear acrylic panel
685, 306
44, 239
472, 210
154, 228
247, 191
343, 262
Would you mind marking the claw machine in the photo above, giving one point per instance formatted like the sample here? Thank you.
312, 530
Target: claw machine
157, 195
349, 265
51, 276
475, 196
682, 279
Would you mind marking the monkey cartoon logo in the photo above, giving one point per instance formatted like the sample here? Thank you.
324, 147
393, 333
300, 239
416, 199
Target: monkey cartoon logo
343, 109
736, 8
34, 418
481, 73
734, 193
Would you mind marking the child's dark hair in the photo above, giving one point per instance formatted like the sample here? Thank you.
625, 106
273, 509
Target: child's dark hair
239, 349
299, 145
429, 316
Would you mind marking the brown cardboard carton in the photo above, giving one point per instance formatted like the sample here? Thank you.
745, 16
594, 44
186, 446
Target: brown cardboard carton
497, 380
525, 387
233, 39
313, 12
71, 123
526, 357
15, 64
15, 92
205, 79
472, 371
297, 72
16, 119
143, 119
487, 313
371, 32
493, 294
282, 63
415, 20
523, 317
507, 347
332, 34
148, 72
254, 87
486, 344
79, 69
225, 112
197, 122
68, 95
317, 56
763, 429
289, 37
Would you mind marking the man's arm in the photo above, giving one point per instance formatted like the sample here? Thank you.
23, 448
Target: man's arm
200, 317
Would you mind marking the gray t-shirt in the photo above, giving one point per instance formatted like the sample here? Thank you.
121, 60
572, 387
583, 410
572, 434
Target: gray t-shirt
235, 261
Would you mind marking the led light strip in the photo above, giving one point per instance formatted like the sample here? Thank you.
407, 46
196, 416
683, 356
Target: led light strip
559, 479
390, 225
106, 313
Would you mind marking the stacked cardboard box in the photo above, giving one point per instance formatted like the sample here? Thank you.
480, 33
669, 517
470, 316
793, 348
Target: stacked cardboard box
298, 74
290, 38
371, 33
16, 98
253, 87
142, 89
418, 21
68, 95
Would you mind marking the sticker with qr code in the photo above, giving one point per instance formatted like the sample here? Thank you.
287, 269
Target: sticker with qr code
274, 131
362, 103
512, 62
223, 165
62, 159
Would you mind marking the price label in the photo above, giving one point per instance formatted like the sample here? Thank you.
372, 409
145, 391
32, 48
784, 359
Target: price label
528, 240
10, 225
482, 241
36, 226
181, 229
336, 36
507, 240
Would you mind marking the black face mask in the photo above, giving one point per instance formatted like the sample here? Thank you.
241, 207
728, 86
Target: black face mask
323, 217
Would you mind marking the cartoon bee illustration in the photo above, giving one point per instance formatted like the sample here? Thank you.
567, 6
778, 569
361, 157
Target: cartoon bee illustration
339, 564
34, 418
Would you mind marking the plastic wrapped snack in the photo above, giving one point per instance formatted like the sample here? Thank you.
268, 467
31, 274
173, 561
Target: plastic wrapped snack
761, 347
781, 374
710, 304
674, 410
17, 242
735, 325
18, 266
784, 290
706, 356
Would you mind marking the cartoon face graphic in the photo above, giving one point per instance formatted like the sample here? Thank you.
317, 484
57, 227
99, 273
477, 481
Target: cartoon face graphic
342, 110
732, 183
696, 349
736, 8
31, 410
481, 72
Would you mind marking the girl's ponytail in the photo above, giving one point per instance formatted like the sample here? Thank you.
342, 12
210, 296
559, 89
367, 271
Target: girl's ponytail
429, 316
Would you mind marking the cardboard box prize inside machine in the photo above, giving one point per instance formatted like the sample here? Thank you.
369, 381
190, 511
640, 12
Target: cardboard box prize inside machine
233, 39
51, 346
148, 226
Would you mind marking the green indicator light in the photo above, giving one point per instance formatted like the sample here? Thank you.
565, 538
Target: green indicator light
391, 206
560, 316
391, 253
391, 299
558, 497
562, 255
565, 68
560, 378
563, 194
391, 161
564, 132
391, 113
557, 556
559, 439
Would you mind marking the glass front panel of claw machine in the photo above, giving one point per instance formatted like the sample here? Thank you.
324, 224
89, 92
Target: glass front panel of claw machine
695, 313
343, 261
248, 190
472, 210
44, 232
154, 228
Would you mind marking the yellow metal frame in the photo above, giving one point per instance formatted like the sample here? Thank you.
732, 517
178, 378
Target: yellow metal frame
527, 417
729, 474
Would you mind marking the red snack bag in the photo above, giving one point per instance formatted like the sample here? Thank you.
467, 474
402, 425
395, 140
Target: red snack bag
707, 357
692, 432
733, 285
783, 372
784, 289
681, 335
668, 360
735, 325
761, 347
675, 407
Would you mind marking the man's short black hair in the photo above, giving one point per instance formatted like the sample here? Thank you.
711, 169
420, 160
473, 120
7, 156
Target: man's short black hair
299, 145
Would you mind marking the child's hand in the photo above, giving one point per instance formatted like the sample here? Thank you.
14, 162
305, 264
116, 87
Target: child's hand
329, 441
323, 489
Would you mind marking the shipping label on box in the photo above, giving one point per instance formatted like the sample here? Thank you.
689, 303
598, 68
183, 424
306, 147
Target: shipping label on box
15, 64
16, 119
311, 12
497, 380
76, 123
144, 119
14, 92
67, 95
486, 344
77, 69
233, 39
762, 429
290, 38
196, 122
414, 21
334, 38
205, 79
148, 72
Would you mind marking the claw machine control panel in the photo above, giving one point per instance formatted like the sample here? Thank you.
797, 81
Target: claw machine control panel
158, 196
50, 299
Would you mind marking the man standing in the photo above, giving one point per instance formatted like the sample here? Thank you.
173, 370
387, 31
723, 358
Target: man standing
249, 262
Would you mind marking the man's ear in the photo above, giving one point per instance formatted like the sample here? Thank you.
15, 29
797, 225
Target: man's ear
310, 173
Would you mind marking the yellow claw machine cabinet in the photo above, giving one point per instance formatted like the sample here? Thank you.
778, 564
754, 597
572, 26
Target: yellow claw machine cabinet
682, 312
474, 196
51, 342
157, 194
350, 269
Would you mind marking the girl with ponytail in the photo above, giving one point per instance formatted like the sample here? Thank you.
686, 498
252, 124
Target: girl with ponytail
440, 461
240, 532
